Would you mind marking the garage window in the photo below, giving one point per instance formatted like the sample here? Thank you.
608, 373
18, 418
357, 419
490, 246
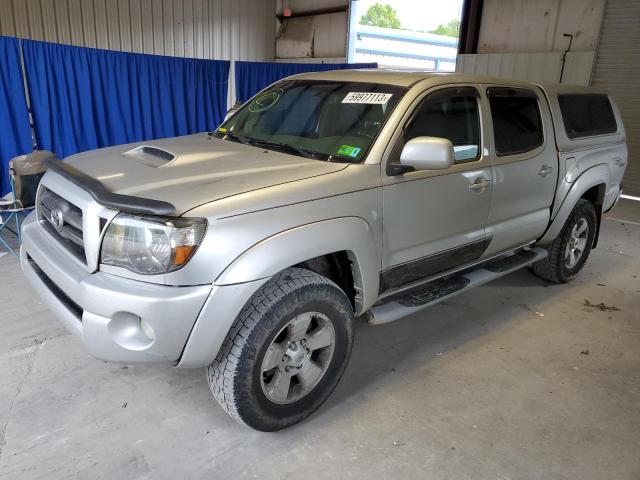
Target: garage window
587, 115
517, 126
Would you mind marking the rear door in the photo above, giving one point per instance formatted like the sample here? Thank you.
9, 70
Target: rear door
525, 166
435, 220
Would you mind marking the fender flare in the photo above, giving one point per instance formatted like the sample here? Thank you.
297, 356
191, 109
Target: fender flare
591, 177
290, 247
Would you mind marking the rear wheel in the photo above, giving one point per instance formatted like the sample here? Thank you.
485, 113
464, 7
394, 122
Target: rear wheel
570, 250
286, 351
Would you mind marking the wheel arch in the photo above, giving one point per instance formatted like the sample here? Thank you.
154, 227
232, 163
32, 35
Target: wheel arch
596, 195
326, 247
590, 185
342, 269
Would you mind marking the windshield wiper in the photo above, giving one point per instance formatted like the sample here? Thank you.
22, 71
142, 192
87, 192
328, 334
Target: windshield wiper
303, 152
231, 136
341, 159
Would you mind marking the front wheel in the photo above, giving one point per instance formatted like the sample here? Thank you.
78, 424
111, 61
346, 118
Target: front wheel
570, 250
286, 351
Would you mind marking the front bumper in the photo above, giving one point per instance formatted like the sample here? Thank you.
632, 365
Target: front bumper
118, 319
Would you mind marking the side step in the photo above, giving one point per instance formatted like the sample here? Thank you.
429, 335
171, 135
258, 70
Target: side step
441, 289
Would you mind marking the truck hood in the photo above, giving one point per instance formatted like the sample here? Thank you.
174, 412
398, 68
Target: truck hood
195, 169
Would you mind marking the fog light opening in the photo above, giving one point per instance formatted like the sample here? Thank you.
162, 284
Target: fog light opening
131, 332
147, 330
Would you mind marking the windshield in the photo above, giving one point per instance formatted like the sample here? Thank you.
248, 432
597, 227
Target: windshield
326, 120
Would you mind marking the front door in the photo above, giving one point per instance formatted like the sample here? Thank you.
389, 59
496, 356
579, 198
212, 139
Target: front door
435, 220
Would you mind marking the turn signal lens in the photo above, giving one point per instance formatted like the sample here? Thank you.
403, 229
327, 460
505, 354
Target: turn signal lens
181, 254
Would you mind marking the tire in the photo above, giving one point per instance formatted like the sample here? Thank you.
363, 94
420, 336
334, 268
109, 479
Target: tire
270, 322
557, 267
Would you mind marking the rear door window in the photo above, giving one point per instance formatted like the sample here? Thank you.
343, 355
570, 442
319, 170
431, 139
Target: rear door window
517, 125
587, 115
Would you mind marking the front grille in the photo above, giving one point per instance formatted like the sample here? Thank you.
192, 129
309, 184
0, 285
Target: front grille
63, 220
72, 306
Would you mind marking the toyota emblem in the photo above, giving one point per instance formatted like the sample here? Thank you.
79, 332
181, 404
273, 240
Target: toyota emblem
57, 220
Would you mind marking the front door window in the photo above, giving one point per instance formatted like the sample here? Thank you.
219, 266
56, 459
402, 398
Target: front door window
452, 114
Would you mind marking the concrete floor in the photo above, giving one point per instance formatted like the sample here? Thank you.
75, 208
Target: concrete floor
514, 380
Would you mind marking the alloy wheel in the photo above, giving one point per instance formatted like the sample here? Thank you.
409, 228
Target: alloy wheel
297, 358
577, 243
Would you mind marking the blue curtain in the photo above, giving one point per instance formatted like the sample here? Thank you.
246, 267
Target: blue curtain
84, 98
251, 77
15, 131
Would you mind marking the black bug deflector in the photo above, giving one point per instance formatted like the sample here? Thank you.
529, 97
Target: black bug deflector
100, 194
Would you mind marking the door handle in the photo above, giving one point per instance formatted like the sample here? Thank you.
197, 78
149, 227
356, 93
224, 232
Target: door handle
545, 170
480, 184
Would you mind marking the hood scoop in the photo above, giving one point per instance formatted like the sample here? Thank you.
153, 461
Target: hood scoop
152, 156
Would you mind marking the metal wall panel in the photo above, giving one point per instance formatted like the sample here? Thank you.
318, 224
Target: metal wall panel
215, 29
538, 26
533, 67
320, 36
317, 36
617, 69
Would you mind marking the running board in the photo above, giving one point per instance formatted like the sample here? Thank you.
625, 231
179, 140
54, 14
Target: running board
442, 289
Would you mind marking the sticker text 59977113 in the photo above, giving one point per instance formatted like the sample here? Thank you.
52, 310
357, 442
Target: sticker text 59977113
367, 97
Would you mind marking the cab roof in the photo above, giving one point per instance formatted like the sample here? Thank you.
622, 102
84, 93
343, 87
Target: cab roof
407, 78
402, 78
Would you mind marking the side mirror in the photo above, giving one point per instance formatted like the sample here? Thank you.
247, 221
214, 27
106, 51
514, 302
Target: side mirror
427, 153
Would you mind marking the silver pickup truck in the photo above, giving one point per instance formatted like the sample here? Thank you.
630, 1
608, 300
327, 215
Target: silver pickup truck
251, 249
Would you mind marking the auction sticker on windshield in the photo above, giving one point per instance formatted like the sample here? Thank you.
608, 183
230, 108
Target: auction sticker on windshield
367, 97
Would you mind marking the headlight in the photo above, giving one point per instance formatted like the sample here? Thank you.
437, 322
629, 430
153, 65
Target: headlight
151, 245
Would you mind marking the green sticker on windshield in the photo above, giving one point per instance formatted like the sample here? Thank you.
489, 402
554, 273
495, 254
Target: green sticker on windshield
349, 151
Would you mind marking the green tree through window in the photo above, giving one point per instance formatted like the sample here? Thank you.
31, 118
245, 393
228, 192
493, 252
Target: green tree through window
380, 15
451, 29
